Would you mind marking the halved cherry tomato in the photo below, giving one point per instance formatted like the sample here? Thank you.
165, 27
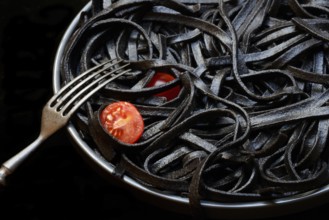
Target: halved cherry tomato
161, 78
123, 121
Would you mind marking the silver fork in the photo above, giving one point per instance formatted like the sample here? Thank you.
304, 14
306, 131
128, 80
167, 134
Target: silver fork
62, 105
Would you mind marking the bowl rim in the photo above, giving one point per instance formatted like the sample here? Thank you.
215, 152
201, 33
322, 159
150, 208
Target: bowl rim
214, 210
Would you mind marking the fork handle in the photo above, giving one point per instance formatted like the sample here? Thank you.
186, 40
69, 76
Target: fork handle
14, 162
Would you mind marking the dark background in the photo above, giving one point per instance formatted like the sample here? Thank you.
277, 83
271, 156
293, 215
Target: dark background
56, 183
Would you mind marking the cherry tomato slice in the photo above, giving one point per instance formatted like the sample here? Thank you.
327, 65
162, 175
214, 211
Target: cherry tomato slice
123, 121
161, 78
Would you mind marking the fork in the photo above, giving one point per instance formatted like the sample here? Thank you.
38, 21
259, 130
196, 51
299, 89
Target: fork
62, 105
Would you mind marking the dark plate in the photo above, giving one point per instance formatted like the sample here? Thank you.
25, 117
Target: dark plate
216, 210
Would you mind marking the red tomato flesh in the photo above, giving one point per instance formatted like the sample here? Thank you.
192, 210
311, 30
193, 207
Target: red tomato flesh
161, 78
123, 121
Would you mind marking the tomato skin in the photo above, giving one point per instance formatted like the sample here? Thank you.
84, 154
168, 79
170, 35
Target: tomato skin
123, 121
161, 78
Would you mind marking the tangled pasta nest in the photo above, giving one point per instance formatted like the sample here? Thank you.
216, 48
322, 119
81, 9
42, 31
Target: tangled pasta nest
251, 121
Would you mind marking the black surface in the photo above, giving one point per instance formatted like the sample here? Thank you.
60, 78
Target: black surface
56, 183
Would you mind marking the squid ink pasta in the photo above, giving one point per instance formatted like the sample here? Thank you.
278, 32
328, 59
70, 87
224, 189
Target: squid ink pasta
250, 118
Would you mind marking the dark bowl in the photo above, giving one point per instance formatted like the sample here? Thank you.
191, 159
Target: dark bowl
213, 210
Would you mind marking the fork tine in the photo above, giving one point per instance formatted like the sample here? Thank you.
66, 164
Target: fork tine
92, 80
68, 112
69, 88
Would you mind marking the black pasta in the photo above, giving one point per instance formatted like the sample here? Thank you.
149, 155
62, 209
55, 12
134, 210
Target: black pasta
251, 121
